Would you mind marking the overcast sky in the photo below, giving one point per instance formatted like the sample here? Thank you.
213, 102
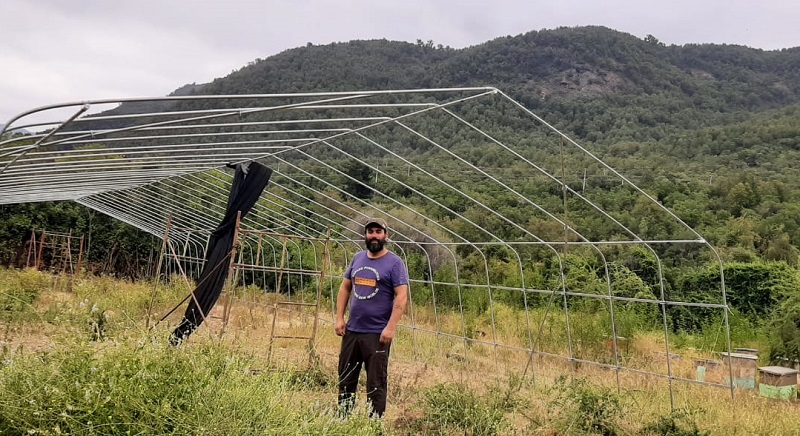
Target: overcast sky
54, 51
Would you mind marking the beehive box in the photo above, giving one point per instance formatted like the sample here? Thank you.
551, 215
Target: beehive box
777, 382
743, 367
708, 370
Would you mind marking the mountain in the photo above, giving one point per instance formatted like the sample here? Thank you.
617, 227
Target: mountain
16, 131
143, 107
591, 81
704, 107
596, 84
607, 89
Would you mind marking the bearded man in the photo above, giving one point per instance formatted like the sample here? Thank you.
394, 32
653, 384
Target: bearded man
375, 286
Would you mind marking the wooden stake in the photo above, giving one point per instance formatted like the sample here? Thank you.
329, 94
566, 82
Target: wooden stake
158, 269
80, 255
280, 271
39, 254
229, 286
320, 285
68, 258
31, 248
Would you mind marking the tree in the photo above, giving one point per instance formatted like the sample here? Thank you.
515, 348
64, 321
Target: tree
358, 185
650, 39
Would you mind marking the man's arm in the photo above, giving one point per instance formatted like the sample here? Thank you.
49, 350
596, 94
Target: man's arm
341, 305
400, 300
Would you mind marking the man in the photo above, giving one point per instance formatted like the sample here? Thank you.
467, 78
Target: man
376, 287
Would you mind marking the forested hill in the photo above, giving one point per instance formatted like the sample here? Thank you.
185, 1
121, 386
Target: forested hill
597, 84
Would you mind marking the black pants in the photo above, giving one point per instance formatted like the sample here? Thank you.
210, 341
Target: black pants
366, 348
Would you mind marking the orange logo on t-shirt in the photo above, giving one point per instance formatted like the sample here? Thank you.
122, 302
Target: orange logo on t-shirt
363, 281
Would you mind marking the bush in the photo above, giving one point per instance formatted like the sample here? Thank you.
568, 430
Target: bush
678, 423
784, 343
451, 407
753, 289
19, 290
584, 408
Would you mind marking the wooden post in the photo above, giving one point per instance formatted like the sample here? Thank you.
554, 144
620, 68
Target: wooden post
229, 286
158, 268
31, 248
258, 249
80, 255
272, 334
68, 258
263, 276
280, 270
39, 254
320, 285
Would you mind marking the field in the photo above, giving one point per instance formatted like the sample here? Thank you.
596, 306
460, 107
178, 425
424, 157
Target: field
77, 358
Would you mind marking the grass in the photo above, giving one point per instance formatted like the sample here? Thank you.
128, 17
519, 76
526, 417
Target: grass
152, 389
76, 358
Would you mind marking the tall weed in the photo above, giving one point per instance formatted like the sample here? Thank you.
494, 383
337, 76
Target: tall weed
584, 408
124, 389
678, 423
19, 290
452, 407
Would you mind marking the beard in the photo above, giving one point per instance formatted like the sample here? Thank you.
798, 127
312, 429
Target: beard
374, 245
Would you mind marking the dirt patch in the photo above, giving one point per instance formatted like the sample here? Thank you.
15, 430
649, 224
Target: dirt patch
19, 340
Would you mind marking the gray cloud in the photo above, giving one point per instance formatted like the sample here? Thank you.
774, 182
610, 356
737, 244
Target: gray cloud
53, 51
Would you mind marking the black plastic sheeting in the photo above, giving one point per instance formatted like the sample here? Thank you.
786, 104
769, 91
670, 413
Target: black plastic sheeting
249, 182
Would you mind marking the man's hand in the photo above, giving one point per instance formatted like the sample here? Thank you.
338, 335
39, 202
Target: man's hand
339, 327
341, 305
387, 335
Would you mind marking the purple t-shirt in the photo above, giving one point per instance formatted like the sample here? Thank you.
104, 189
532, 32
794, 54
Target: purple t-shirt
372, 293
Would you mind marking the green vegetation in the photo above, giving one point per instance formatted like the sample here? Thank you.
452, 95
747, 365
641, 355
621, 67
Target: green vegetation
589, 410
63, 370
112, 247
19, 294
454, 408
680, 423
124, 389
785, 327
101, 373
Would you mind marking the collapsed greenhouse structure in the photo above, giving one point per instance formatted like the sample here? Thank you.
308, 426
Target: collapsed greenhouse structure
492, 208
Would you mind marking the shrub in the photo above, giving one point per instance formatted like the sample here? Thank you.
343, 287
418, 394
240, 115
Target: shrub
678, 423
18, 293
784, 343
585, 408
451, 407
754, 289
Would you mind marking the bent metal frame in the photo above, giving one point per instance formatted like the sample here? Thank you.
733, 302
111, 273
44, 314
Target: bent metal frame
244, 258
486, 201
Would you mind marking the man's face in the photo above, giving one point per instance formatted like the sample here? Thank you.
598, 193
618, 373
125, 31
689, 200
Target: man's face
375, 239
